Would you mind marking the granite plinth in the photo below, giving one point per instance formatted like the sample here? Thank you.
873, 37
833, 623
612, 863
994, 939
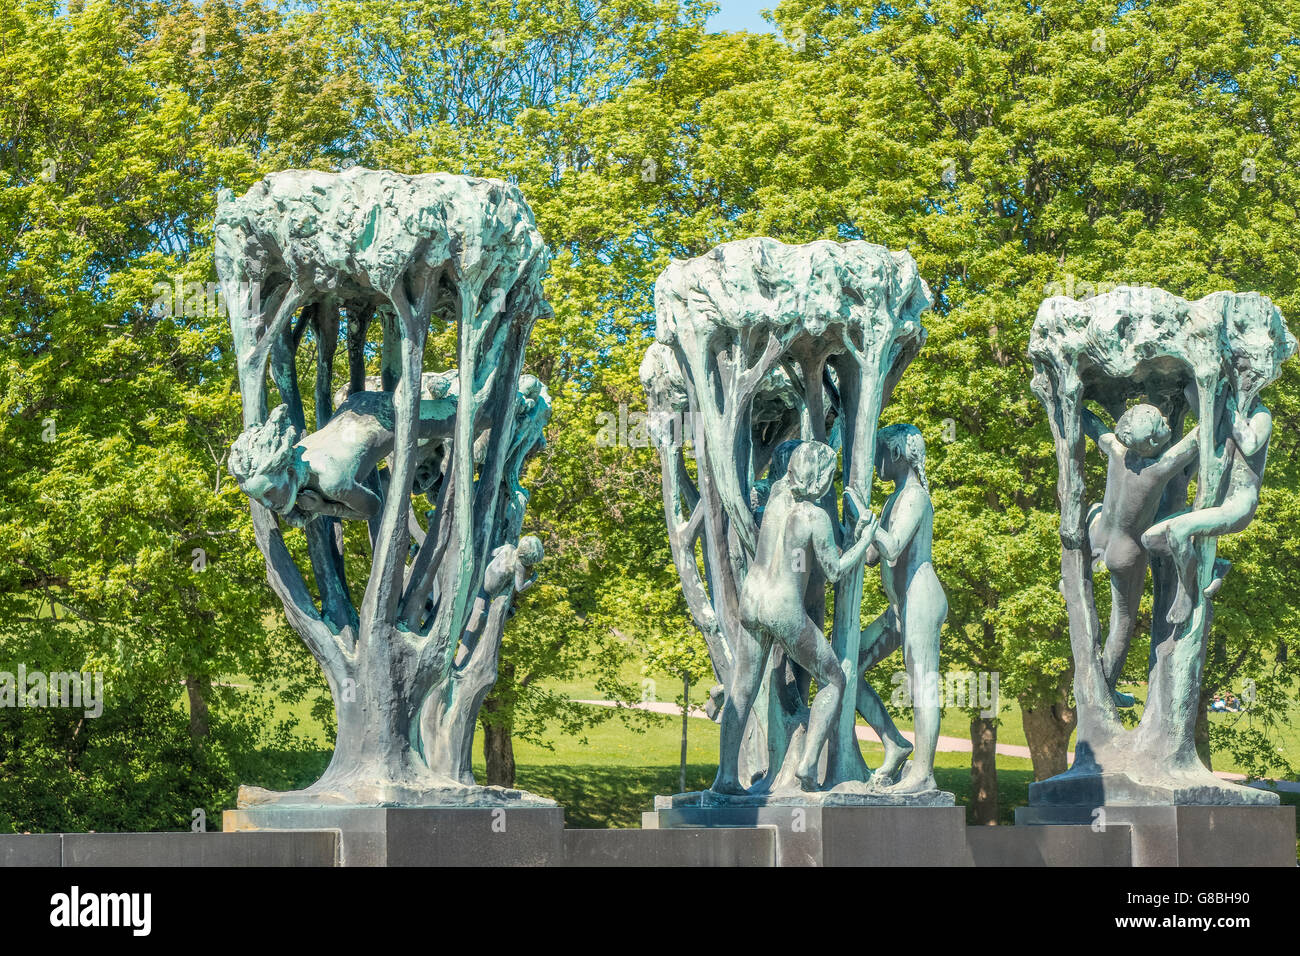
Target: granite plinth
422, 836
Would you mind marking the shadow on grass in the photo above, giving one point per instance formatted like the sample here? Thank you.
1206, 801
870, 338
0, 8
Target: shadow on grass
602, 797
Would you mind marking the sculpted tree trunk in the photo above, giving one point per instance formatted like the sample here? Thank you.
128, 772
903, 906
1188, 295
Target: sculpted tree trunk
312, 257
762, 348
1203, 730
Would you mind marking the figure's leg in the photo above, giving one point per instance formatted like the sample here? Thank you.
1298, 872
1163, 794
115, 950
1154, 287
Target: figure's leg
813, 652
1177, 537
751, 656
921, 654
1126, 586
1098, 546
880, 638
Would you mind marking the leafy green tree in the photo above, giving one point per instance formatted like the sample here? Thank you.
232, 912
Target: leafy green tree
125, 550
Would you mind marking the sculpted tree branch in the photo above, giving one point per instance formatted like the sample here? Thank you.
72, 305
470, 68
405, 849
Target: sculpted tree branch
409, 250
756, 342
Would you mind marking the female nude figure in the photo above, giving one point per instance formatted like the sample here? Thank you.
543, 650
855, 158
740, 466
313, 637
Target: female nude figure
796, 531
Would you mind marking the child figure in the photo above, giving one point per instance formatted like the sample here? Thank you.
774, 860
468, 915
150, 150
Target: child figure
1246, 449
1136, 475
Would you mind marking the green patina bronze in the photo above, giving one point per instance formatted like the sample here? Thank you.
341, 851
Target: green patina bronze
312, 256
1148, 359
775, 361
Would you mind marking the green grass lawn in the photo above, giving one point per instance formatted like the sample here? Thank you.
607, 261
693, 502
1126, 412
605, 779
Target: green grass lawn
609, 782
956, 722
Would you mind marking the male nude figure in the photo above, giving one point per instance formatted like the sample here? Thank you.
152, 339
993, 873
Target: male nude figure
796, 531
1136, 475
917, 610
1246, 449
511, 569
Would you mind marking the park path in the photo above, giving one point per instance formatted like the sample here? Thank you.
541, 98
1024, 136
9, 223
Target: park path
949, 744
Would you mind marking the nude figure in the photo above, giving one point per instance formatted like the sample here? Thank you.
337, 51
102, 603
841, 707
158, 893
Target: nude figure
511, 568
1136, 475
298, 476
917, 609
796, 532
1246, 449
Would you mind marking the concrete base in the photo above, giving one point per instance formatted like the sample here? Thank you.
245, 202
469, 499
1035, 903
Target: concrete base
744, 846
31, 849
844, 797
1049, 846
304, 848
1186, 835
838, 836
422, 836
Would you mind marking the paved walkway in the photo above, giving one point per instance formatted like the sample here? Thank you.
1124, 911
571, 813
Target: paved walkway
948, 744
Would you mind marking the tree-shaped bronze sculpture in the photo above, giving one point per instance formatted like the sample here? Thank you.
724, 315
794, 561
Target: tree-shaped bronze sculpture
326, 257
769, 358
1211, 357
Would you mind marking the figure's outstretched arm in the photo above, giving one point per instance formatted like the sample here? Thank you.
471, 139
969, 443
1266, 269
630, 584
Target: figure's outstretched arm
1186, 450
833, 564
1098, 431
904, 520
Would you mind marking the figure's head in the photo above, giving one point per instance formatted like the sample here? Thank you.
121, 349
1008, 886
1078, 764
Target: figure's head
529, 550
811, 470
1143, 430
266, 462
899, 448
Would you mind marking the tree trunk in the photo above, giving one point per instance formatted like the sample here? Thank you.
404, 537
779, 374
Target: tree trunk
1048, 726
196, 688
498, 748
984, 770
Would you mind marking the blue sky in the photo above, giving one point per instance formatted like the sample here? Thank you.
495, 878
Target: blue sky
742, 15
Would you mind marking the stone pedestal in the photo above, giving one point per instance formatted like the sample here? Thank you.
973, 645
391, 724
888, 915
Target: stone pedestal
718, 846
423, 836
1048, 845
1186, 835
31, 849
295, 848
838, 835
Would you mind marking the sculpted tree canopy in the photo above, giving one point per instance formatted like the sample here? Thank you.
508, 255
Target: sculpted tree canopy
311, 256
776, 356
1210, 358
